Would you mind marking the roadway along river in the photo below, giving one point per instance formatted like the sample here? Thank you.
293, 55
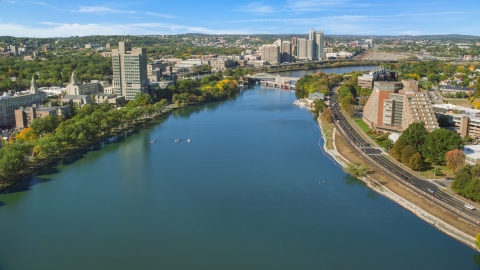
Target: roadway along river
243, 194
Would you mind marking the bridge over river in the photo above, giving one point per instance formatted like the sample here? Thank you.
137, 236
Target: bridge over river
275, 80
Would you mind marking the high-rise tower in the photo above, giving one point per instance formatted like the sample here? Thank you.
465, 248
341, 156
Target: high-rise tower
129, 70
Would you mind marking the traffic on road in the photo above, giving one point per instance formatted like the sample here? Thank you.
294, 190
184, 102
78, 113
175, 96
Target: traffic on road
401, 175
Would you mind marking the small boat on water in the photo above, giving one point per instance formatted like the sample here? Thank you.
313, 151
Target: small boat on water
177, 140
153, 141
188, 140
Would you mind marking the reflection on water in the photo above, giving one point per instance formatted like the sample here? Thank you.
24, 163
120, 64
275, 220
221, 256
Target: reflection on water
352, 181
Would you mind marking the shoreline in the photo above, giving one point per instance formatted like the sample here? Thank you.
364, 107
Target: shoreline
374, 185
53, 160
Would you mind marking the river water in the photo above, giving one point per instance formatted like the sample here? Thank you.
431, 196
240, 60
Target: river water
245, 193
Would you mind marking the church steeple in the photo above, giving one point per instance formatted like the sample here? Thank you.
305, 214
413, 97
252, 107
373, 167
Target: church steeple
33, 86
73, 80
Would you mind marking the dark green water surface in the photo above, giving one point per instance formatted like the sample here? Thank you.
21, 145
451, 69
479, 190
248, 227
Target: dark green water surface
243, 194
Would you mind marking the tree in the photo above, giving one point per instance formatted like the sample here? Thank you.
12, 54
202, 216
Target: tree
415, 161
363, 101
438, 143
455, 158
461, 181
415, 135
12, 159
319, 107
443, 121
327, 115
477, 241
26, 134
349, 110
357, 169
396, 151
407, 152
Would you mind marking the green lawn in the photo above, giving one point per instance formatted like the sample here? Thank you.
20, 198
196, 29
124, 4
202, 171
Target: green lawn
444, 172
362, 124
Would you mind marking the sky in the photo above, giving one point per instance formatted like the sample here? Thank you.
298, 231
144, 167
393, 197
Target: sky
21, 18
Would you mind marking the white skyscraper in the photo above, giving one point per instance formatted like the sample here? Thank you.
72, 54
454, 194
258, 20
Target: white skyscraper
319, 54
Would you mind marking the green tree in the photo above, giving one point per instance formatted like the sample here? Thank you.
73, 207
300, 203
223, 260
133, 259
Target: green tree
461, 181
407, 152
415, 135
477, 241
438, 143
13, 160
443, 121
357, 169
319, 107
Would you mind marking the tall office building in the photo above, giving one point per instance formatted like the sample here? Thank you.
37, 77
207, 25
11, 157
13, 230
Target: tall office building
319, 54
286, 52
129, 70
294, 46
302, 48
310, 49
270, 53
311, 34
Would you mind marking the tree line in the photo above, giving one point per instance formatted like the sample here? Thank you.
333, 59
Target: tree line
53, 135
417, 145
53, 72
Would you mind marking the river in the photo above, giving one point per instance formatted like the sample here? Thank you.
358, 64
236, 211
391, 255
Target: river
244, 193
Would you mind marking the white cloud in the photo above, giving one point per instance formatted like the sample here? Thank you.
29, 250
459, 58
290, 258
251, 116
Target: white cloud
256, 7
159, 15
101, 10
313, 5
51, 29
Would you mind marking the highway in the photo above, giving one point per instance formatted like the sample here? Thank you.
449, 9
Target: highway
404, 177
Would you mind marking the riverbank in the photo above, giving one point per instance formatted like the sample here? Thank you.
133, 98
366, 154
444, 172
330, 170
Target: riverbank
42, 163
336, 146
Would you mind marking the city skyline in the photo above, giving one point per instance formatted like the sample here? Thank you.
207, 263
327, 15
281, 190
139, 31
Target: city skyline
22, 18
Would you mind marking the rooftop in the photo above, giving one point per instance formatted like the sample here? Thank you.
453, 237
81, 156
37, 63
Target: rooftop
472, 151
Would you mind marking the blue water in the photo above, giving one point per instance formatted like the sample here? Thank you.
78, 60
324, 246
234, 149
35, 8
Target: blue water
243, 194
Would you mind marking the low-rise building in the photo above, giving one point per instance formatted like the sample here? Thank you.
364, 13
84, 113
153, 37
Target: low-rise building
9, 103
25, 115
389, 108
75, 88
221, 64
472, 154
454, 89
79, 100
379, 74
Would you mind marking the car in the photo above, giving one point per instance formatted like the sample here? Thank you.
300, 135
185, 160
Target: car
448, 178
469, 206
430, 190
404, 177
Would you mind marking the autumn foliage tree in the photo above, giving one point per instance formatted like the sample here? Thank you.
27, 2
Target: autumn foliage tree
327, 115
455, 159
27, 134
